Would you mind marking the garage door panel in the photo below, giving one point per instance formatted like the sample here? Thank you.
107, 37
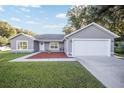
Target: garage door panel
91, 47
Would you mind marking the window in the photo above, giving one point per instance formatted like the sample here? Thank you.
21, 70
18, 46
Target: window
22, 45
54, 46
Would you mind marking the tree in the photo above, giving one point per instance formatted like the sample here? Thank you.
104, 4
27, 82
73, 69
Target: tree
111, 17
24, 31
76, 18
3, 41
80, 16
68, 29
7, 31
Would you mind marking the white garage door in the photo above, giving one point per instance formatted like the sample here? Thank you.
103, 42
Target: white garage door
91, 47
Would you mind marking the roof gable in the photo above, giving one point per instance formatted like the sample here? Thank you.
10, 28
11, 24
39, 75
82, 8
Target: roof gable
96, 25
31, 37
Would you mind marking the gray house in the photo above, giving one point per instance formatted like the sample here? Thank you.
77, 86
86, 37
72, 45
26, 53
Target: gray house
91, 40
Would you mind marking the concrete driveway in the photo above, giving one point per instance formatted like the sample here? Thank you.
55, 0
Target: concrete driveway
108, 70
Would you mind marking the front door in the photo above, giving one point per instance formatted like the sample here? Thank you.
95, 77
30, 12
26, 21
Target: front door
41, 46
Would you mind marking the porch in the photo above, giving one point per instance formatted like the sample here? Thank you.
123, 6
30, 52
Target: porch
50, 46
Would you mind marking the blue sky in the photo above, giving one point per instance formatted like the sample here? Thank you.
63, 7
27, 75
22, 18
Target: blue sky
39, 19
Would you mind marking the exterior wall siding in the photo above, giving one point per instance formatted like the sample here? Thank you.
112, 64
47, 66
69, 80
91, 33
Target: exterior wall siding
22, 37
88, 33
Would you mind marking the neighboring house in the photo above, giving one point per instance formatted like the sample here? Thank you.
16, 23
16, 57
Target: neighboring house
91, 40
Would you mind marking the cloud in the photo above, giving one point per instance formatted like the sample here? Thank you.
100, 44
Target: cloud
5, 20
25, 9
28, 16
15, 19
31, 22
1, 8
36, 6
61, 15
37, 19
33, 6
46, 18
53, 26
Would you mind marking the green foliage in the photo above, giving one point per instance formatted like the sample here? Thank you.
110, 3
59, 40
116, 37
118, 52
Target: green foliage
24, 31
43, 74
7, 31
3, 41
119, 50
111, 17
119, 47
68, 29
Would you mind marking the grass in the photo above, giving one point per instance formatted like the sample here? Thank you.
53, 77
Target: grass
44, 74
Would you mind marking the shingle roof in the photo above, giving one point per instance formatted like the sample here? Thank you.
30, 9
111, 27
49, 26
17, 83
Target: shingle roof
51, 37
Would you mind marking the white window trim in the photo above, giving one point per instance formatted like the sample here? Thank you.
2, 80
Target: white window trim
17, 41
54, 48
90, 39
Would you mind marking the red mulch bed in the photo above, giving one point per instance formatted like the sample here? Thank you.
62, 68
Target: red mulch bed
49, 55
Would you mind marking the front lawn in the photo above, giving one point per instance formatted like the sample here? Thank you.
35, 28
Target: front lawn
43, 74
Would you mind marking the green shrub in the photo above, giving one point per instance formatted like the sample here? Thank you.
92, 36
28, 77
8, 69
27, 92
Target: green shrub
119, 47
119, 50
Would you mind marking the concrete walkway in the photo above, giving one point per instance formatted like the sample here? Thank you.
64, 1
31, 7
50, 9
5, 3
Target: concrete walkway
24, 59
108, 70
